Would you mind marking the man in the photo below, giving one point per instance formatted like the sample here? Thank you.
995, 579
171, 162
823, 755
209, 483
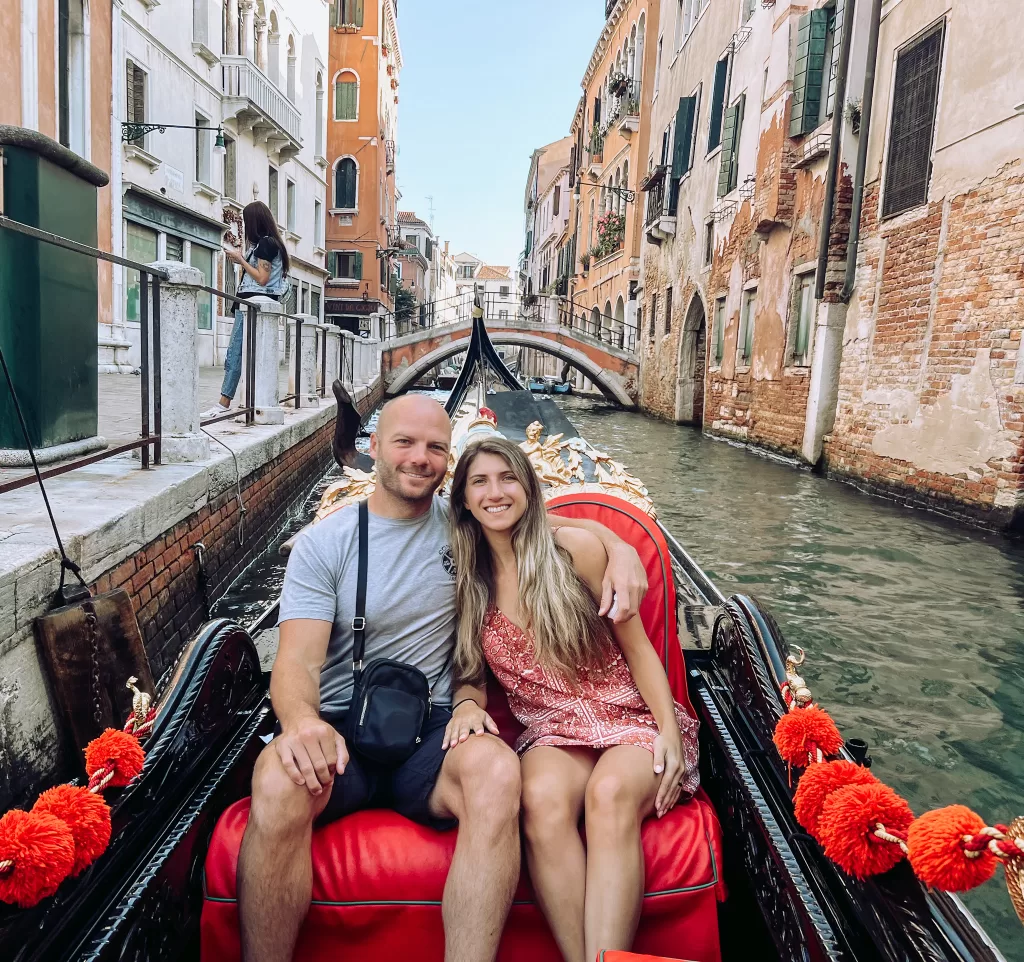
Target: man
306, 773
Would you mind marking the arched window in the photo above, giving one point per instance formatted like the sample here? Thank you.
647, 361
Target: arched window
273, 53
625, 186
345, 183
346, 96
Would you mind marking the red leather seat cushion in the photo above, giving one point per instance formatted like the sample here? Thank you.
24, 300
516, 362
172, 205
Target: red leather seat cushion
378, 880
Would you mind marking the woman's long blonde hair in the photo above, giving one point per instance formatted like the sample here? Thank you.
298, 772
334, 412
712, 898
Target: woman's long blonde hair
559, 609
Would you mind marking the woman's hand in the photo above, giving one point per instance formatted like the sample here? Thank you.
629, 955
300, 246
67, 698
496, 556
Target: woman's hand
233, 255
467, 719
624, 583
668, 762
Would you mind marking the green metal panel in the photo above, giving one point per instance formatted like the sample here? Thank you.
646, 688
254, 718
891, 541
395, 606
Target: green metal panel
717, 104
809, 70
48, 303
681, 160
730, 146
357, 271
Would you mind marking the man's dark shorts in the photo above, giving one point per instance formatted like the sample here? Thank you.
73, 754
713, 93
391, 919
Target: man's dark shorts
405, 789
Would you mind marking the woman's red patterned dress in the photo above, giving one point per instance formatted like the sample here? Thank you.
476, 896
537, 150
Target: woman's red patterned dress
601, 710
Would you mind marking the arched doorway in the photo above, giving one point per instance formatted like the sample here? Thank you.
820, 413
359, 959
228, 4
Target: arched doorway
620, 322
692, 365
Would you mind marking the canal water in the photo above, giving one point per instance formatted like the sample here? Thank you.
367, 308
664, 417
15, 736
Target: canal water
913, 626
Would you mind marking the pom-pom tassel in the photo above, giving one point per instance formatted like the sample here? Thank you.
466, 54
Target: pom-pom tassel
861, 828
819, 782
939, 845
113, 759
87, 816
37, 852
806, 735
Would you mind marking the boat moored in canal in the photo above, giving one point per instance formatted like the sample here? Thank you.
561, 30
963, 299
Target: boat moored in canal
731, 874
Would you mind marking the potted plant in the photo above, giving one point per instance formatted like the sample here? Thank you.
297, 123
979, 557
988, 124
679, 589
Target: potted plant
618, 83
585, 261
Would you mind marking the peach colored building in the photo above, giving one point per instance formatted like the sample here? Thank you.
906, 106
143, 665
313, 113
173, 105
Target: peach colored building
611, 131
72, 105
365, 61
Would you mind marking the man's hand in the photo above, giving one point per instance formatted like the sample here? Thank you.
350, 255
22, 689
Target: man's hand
624, 584
469, 718
312, 752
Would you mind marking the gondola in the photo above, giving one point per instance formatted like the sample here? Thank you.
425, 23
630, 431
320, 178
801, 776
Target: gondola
163, 889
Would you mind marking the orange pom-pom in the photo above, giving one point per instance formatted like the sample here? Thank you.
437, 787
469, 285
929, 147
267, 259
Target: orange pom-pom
935, 847
801, 733
116, 752
818, 782
847, 824
86, 814
36, 855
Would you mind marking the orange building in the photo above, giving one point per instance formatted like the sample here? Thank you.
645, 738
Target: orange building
611, 131
365, 61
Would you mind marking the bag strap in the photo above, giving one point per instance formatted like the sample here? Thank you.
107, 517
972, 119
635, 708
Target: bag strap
359, 621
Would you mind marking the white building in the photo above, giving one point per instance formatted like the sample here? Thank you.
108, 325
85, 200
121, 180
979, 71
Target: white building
547, 213
256, 70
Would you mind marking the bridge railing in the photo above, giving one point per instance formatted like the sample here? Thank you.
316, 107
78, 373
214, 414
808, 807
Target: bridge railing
513, 309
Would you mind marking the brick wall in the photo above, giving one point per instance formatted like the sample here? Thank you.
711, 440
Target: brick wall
931, 404
162, 576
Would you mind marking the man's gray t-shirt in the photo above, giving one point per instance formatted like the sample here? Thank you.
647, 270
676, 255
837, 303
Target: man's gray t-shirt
410, 596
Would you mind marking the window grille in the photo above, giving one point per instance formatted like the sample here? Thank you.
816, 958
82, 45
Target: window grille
719, 332
668, 310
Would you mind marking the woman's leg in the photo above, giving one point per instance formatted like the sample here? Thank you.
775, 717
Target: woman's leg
620, 794
233, 361
554, 782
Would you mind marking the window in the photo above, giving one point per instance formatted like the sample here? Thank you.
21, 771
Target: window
200, 21
912, 124
174, 249
202, 257
657, 69
802, 319
346, 97
290, 205
135, 88
346, 13
709, 242
314, 301
729, 163
318, 224
345, 184
749, 6
319, 138
202, 150
682, 13
813, 39
654, 315
346, 264
503, 290
554, 201
413, 240
681, 155
72, 76
666, 140
272, 191
230, 167
289, 84
668, 310
502, 315
745, 341
139, 246
719, 332
718, 98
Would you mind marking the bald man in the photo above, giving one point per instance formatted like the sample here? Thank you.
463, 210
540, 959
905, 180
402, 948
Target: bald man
306, 773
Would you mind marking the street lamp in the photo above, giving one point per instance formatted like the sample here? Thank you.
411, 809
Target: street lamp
629, 196
131, 132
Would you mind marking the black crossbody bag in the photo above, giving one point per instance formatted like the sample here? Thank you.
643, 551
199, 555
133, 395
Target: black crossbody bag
391, 701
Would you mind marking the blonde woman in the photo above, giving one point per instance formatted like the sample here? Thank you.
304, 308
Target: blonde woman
604, 738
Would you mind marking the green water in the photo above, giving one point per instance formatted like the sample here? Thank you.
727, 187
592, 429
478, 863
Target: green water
914, 627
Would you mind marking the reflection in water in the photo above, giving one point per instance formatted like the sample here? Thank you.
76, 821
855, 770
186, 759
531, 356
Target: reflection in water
914, 626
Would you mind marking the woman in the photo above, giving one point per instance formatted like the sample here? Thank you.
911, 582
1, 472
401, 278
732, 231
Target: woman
604, 737
264, 271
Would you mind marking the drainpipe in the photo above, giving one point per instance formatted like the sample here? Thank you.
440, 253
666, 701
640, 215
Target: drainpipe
835, 145
862, 152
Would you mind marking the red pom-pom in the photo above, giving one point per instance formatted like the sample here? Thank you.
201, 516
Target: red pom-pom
800, 732
115, 751
935, 847
36, 855
847, 824
86, 814
818, 782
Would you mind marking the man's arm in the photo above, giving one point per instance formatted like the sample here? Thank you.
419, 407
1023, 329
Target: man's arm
625, 578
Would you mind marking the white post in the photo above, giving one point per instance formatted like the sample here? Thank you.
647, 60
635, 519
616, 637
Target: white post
268, 361
182, 441
333, 356
306, 349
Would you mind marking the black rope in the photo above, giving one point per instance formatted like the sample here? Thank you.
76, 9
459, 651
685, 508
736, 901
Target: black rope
66, 564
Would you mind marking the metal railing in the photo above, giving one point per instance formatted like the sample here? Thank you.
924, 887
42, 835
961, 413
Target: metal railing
242, 79
626, 103
656, 195
621, 334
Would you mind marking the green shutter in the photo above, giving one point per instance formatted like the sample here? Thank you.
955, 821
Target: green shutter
357, 12
357, 265
717, 104
727, 170
833, 67
334, 12
808, 71
681, 160
346, 94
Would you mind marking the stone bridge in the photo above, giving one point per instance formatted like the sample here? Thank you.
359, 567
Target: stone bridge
612, 369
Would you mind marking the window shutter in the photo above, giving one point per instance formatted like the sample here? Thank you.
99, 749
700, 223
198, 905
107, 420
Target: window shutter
914, 101
717, 103
332, 263
334, 12
357, 265
833, 67
357, 12
129, 86
684, 135
808, 71
730, 143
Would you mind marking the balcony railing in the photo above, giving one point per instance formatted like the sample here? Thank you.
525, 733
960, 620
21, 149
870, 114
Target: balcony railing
654, 187
626, 102
595, 155
257, 102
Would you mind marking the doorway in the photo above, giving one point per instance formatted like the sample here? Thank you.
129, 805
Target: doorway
691, 366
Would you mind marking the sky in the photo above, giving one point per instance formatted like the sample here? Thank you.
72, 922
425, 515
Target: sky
483, 84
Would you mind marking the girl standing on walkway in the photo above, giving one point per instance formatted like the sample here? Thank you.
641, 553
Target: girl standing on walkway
604, 737
264, 271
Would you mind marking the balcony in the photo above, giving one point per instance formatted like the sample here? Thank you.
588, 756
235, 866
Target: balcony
595, 155
624, 111
389, 155
251, 98
659, 224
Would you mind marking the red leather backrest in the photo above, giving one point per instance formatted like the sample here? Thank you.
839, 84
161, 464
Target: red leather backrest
657, 610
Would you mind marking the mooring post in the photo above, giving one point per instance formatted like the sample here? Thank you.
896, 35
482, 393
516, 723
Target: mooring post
268, 361
182, 440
